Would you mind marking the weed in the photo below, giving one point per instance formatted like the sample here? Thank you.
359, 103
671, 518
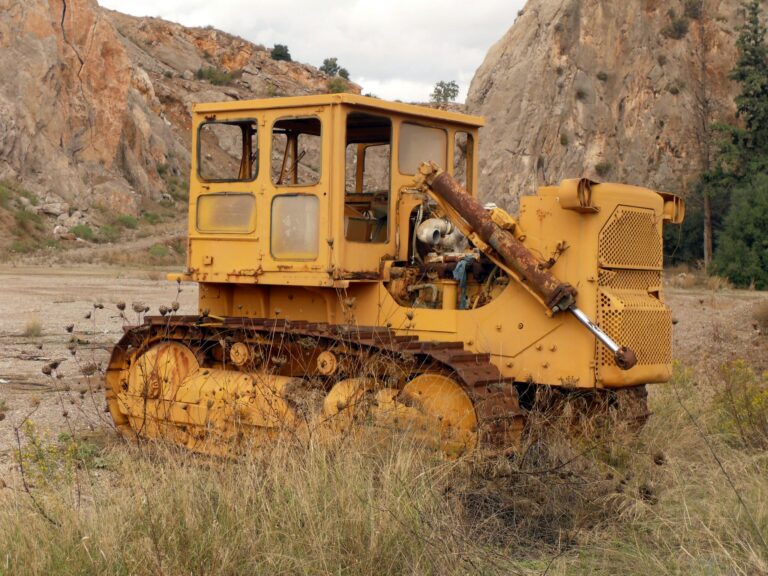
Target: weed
760, 315
581, 94
661, 59
108, 234
152, 218
718, 283
83, 231
33, 328
216, 76
564, 139
602, 76
742, 405
159, 251
127, 221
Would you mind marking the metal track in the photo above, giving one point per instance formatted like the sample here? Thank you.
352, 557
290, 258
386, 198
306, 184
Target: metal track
500, 418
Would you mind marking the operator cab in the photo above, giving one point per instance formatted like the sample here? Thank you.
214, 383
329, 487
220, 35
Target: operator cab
313, 190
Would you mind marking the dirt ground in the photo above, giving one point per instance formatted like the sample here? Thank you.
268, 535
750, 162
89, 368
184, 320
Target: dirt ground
711, 328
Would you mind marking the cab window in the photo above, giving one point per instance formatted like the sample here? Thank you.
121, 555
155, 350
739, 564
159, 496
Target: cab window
227, 151
296, 154
367, 178
421, 144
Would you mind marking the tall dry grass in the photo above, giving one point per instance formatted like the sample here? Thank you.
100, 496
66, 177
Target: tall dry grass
686, 495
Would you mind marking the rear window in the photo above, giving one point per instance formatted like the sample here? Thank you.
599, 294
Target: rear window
227, 151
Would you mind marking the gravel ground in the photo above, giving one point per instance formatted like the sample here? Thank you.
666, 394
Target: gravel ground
54, 298
711, 328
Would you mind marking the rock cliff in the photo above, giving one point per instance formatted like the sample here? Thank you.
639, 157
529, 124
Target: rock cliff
615, 91
95, 105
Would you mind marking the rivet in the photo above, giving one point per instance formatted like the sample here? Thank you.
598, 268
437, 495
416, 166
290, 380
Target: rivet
539, 347
498, 327
520, 326
553, 348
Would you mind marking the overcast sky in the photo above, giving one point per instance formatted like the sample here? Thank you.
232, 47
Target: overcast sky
395, 49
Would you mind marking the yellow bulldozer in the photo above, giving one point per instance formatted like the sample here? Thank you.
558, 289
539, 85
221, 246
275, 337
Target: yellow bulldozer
349, 275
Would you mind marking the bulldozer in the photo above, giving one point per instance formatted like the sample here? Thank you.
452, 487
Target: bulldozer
348, 275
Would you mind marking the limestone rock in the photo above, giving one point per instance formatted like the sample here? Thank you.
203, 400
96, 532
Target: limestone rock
601, 89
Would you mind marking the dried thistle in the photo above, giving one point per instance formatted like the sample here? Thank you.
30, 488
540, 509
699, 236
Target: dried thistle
121, 306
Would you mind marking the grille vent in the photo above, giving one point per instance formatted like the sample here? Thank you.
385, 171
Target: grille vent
631, 239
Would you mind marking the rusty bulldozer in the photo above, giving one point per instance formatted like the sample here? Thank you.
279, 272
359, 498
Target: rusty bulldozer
348, 274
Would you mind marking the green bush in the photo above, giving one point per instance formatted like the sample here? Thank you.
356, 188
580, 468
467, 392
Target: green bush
281, 52
603, 168
216, 76
743, 405
159, 251
337, 85
127, 221
83, 231
152, 217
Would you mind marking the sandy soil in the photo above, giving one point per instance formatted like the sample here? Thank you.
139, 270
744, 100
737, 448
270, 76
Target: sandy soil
711, 328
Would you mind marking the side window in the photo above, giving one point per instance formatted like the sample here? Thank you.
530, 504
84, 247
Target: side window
295, 226
463, 151
421, 144
228, 213
227, 151
296, 152
367, 175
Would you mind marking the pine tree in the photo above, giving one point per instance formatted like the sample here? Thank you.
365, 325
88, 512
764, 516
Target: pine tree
742, 164
751, 72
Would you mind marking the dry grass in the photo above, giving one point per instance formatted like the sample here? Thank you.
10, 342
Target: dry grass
760, 316
686, 495
33, 328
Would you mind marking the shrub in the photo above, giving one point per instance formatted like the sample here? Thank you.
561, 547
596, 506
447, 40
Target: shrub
743, 405
280, 52
693, 9
83, 231
127, 221
602, 76
330, 66
337, 85
108, 233
159, 251
677, 27
152, 217
674, 89
661, 59
581, 94
760, 316
33, 328
603, 168
564, 139
216, 76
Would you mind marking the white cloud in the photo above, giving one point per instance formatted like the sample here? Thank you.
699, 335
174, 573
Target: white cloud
396, 49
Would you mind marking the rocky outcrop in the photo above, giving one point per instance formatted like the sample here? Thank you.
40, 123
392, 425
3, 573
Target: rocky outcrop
95, 105
619, 91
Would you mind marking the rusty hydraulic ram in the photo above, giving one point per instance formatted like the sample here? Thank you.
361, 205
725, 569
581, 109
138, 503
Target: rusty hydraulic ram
511, 254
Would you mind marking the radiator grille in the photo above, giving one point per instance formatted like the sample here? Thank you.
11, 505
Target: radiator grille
639, 321
631, 239
630, 276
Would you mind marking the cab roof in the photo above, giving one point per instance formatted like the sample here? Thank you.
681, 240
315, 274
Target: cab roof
363, 102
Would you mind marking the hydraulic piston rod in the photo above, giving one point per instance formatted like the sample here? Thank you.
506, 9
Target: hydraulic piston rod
624, 357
